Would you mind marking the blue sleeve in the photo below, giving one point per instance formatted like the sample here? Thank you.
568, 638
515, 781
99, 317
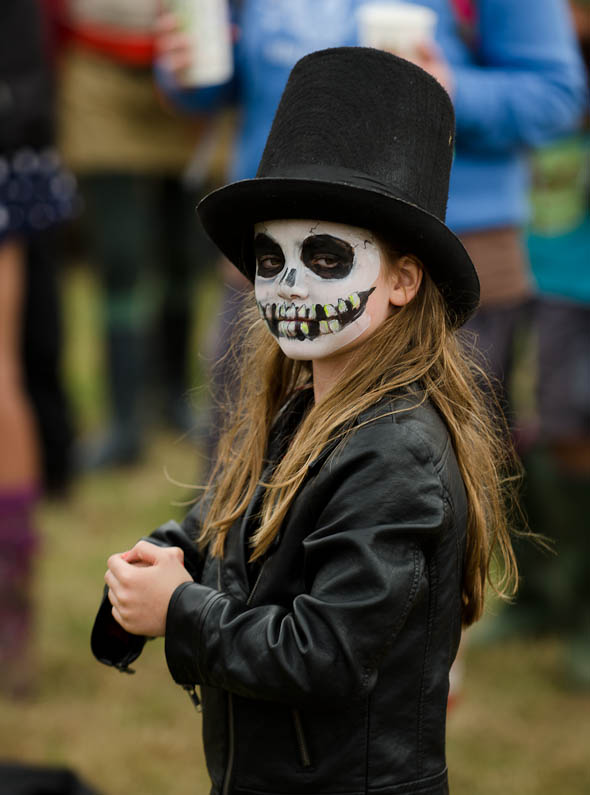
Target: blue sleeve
528, 84
206, 99
194, 99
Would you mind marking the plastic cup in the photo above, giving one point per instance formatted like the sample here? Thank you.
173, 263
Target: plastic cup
397, 27
207, 24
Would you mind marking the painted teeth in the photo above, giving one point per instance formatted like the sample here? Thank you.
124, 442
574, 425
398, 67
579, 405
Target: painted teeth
305, 312
287, 328
292, 319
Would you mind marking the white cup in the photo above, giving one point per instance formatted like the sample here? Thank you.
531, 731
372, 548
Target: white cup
396, 26
207, 24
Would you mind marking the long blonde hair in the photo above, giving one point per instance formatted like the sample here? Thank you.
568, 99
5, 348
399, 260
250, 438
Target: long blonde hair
416, 345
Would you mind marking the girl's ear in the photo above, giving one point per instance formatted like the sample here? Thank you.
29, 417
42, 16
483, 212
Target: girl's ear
405, 280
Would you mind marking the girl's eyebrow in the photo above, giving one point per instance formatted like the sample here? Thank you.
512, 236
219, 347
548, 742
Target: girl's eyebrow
263, 244
328, 243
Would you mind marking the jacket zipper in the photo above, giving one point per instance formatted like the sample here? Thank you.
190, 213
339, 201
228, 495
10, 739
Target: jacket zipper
301, 741
231, 743
230, 719
194, 696
300, 734
230, 700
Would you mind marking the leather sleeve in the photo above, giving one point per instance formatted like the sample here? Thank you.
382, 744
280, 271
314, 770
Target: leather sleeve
365, 569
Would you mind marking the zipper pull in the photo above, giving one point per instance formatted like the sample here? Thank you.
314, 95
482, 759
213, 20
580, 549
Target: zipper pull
192, 691
124, 668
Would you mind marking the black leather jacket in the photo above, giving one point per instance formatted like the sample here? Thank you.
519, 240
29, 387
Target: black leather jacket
329, 672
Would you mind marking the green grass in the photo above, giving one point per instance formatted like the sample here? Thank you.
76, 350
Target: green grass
514, 730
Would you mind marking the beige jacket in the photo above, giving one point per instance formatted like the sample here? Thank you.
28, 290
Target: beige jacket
132, 15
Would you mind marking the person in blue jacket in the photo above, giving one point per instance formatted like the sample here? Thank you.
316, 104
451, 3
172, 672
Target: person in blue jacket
516, 79
556, 596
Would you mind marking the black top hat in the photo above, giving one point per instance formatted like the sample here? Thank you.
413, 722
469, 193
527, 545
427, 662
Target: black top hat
364, 138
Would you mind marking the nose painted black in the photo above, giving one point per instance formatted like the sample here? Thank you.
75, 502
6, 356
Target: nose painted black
289, 277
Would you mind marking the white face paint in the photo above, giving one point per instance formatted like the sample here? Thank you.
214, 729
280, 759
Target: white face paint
313, 283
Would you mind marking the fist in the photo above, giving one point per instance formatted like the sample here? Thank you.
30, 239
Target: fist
141, 582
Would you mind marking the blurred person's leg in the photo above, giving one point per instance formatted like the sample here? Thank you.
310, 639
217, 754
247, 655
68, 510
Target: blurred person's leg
18, 481
179, 257
120, 215
42, 341
497, 330
500, 325
558, 494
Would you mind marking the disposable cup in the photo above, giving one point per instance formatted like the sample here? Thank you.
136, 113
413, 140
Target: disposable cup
396, 26
207, 24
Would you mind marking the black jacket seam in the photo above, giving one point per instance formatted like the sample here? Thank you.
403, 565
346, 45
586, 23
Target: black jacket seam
374, 663
432, 598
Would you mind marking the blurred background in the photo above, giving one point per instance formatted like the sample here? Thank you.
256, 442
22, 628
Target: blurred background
115, 309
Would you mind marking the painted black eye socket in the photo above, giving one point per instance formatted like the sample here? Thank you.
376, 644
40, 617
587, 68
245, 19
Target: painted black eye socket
329, 257
269, 265
270, 259
325, 261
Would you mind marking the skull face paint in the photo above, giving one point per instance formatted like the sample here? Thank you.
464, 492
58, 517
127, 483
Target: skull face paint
313, 283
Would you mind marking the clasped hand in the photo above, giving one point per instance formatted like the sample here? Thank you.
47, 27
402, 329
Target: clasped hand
141, 582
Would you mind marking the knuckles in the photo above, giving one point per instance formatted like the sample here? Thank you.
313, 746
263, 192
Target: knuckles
112, 561
176, 553
123, 597
124, 580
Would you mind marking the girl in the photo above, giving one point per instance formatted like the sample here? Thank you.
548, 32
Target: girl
347, 531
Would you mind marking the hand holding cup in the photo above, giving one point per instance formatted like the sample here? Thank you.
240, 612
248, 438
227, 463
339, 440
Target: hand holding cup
407, 30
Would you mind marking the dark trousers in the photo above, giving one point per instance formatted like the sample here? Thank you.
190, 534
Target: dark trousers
42, 355
143, 238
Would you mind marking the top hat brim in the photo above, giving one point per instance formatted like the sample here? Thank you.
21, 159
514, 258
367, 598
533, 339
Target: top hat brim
228, 215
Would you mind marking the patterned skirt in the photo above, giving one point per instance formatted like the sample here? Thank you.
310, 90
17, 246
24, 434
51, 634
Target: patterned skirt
36, 192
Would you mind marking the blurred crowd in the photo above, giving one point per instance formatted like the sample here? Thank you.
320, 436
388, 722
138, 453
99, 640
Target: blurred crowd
102, 140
